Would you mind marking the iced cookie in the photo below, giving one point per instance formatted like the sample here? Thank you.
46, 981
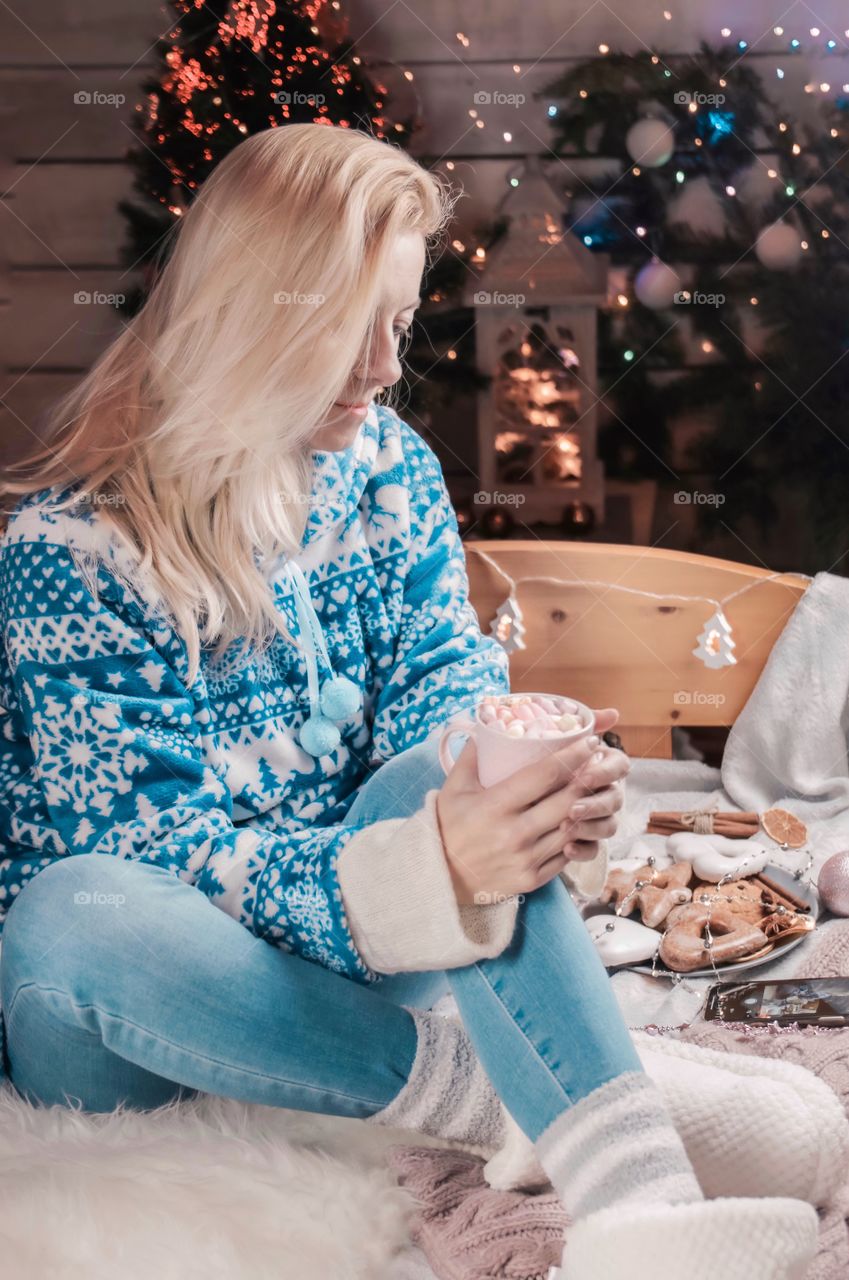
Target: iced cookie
713, 857
622, 941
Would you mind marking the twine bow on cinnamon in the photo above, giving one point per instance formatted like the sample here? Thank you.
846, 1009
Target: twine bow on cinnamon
706, 822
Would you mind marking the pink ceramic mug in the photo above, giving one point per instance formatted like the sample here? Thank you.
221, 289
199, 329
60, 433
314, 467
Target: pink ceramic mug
500, 756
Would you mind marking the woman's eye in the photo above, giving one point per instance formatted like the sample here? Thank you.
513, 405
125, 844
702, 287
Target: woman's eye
402, 331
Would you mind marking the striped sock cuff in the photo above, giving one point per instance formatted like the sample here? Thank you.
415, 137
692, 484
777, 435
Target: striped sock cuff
617, 1144
448, 1094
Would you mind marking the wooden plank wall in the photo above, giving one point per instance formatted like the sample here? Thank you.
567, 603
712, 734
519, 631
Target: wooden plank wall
62, 161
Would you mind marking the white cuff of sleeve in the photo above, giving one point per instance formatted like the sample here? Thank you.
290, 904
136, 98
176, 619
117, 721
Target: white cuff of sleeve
400, 903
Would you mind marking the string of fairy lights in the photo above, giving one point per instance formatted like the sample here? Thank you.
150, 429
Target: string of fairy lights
249, 21
779, 246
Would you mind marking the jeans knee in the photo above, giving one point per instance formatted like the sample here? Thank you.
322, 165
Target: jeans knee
419, 766
46, 930
72, 880
398, 788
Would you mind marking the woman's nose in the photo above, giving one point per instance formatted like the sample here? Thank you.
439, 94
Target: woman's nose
383, 365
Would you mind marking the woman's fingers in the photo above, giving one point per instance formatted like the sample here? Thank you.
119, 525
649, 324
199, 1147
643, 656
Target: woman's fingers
603, 768
605, 719
601, 804
577, 840
572, 805
597, 829
549, 869
581, 850
530, 784
552, 842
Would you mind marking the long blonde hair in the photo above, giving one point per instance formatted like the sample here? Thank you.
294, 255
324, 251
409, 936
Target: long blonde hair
192, 430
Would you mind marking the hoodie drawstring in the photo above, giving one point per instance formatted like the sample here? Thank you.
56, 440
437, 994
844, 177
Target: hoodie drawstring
337, 698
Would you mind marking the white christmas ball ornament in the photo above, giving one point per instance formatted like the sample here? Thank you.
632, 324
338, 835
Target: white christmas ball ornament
778, 246
650, 142
656, 285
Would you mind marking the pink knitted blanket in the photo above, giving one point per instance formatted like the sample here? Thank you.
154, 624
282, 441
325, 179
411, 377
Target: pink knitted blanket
470, 1232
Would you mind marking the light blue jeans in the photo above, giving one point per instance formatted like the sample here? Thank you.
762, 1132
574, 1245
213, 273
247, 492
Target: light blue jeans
147, 991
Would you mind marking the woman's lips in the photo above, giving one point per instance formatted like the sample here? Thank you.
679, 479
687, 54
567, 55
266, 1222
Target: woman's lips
352, 407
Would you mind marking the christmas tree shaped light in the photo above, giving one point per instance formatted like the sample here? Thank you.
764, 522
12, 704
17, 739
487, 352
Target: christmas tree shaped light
715, 647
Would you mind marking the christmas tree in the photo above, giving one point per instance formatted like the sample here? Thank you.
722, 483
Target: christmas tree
728, 224
232, 68
228, 69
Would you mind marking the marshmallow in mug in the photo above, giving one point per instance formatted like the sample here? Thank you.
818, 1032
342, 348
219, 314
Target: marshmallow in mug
526, 716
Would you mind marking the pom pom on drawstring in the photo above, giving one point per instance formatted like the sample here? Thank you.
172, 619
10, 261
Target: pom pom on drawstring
340, 698
319, 736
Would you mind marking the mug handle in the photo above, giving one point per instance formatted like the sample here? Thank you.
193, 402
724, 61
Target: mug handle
458, 726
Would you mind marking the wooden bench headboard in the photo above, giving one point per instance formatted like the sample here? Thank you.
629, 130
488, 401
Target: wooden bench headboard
608, 647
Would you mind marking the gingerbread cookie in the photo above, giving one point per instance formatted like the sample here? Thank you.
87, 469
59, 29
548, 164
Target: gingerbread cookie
651, 892
709, 934
704, 922
743, 897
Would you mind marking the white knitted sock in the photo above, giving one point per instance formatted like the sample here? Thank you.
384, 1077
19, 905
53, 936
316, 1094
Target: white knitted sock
616, 1145
448, 1093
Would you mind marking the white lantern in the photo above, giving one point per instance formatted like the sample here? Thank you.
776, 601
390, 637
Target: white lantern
536, 313
650, 142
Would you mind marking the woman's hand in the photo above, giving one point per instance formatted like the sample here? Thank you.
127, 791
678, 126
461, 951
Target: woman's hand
513, 838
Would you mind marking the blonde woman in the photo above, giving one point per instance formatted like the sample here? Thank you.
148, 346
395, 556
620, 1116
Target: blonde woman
235, 615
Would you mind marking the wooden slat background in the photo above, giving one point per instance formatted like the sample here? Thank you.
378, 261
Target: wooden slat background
608, 647
62, 165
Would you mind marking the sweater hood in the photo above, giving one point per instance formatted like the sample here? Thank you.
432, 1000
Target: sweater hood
340, 478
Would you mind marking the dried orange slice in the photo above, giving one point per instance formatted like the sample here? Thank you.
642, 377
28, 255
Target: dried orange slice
784, 828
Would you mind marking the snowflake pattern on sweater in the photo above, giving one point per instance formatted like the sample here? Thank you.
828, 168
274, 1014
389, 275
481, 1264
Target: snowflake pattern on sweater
106, 747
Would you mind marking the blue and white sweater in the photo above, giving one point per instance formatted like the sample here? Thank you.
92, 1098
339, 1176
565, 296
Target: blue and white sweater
105, 746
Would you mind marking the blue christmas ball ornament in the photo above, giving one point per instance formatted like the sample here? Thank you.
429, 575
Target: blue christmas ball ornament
340, 698
319, 736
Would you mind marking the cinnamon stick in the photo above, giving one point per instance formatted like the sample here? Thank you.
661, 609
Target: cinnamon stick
731, 829
786, 896
676, 816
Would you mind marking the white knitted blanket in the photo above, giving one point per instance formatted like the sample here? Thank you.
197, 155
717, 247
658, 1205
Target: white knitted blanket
788, 748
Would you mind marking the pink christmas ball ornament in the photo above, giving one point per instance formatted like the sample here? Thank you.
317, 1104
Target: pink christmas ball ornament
833, 884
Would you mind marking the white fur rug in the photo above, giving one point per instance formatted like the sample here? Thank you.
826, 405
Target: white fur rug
203, 1190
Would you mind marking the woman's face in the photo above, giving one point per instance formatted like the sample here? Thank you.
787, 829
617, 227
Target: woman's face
381, 367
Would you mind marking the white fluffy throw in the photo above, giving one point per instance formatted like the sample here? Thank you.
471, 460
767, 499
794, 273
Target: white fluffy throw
204, 1190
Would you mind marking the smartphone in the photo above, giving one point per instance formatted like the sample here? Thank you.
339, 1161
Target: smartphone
822, 1002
